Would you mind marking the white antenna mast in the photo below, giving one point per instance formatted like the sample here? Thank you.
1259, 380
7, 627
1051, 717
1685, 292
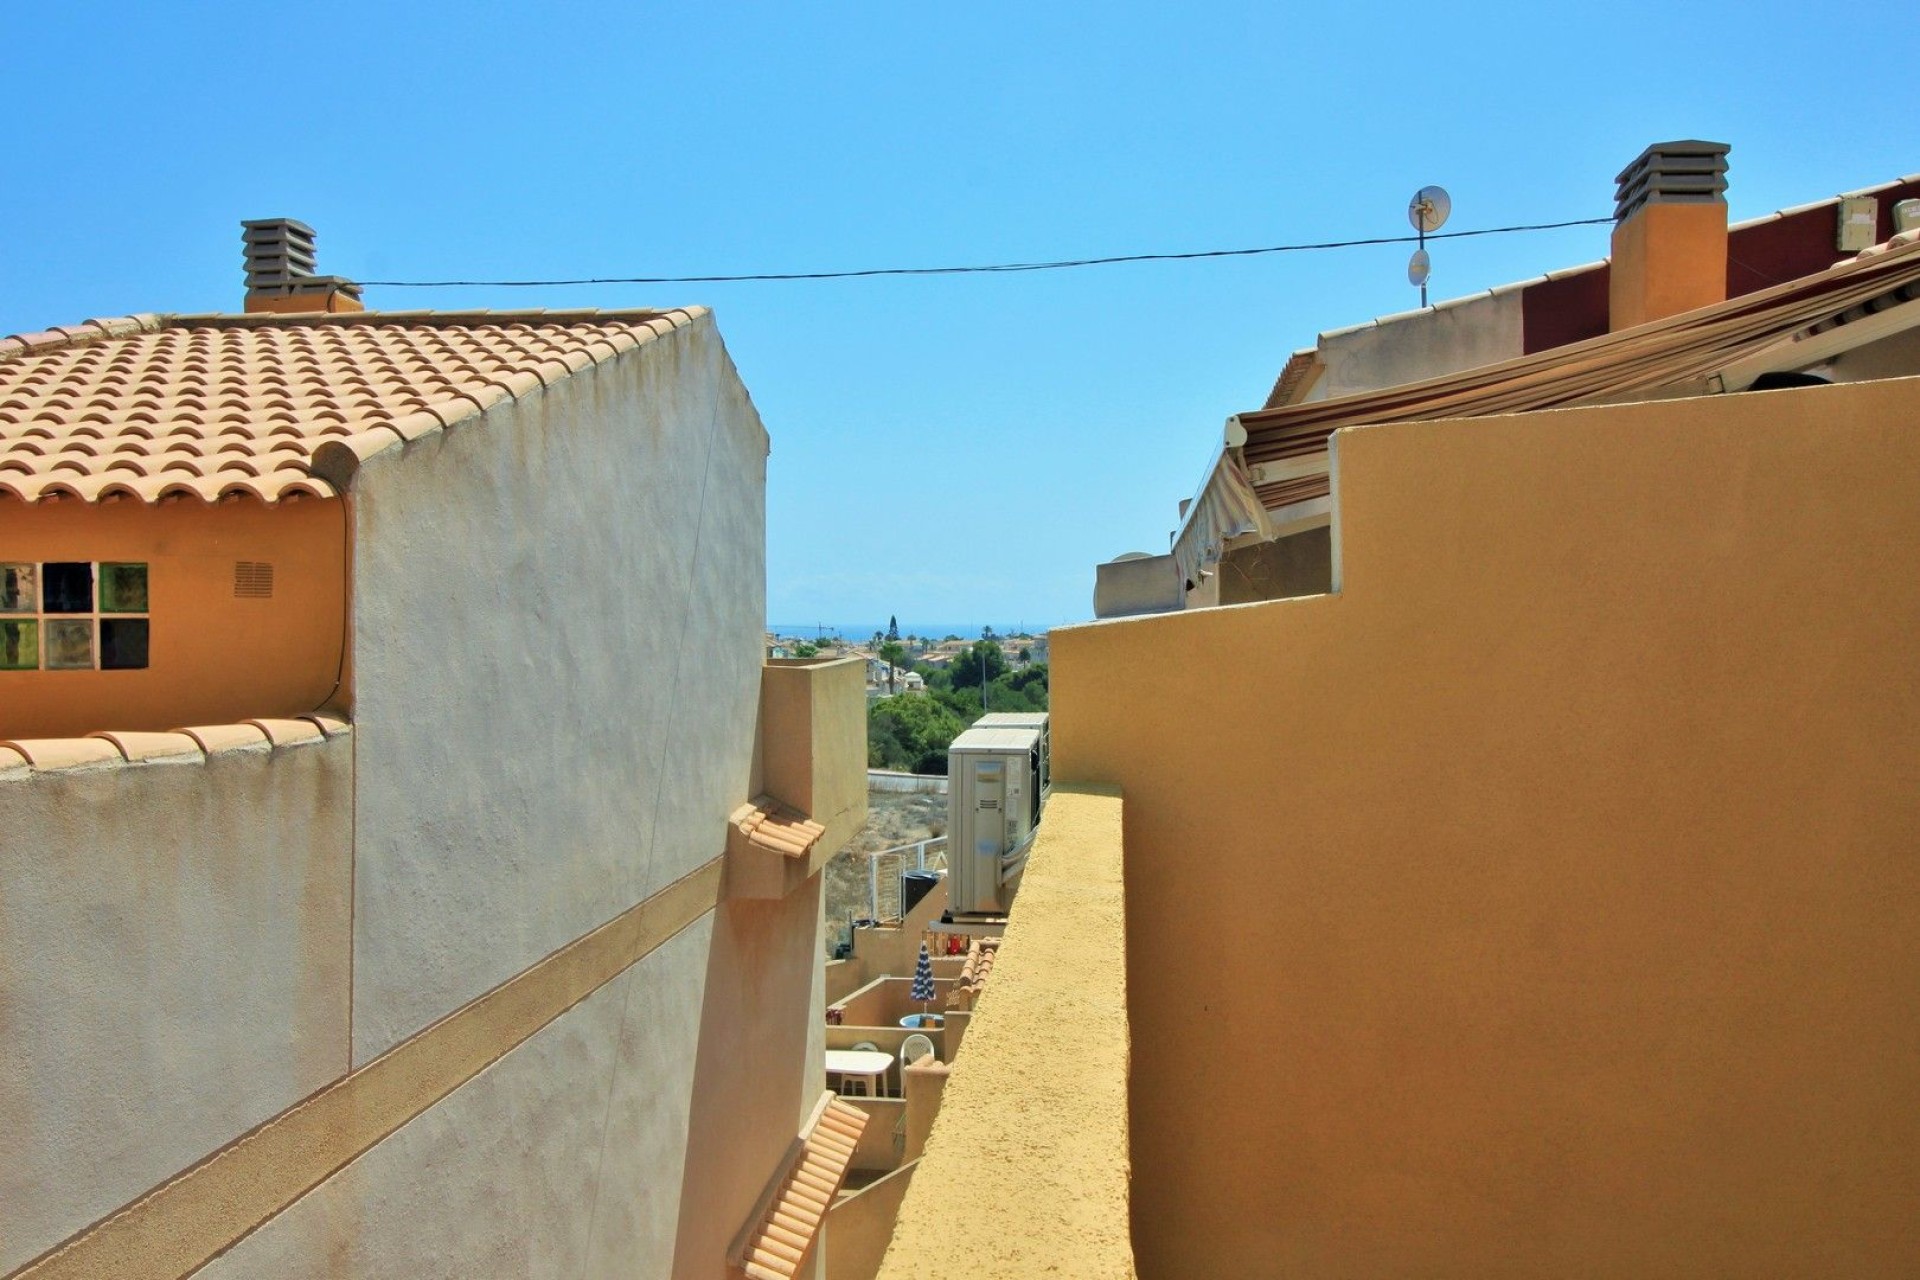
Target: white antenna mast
1427, 211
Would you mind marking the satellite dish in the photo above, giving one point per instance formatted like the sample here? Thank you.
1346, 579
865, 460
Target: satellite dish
1419, 267
1428, 209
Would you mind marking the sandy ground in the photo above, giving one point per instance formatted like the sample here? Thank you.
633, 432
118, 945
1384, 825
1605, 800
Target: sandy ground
892, 819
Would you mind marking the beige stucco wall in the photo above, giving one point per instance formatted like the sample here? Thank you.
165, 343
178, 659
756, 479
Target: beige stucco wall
813, 742
173, 970
1026, 1170
557, 628
887, 950
1465, 333
1545, 902
760, 1067
859, 1226
1298, 565
542, 1165
556, 643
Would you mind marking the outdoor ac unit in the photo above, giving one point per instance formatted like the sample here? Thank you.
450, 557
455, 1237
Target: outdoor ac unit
996, 787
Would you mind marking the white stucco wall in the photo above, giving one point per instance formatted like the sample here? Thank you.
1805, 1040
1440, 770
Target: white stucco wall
547, 1163
558, 615
1460, 334
173, 970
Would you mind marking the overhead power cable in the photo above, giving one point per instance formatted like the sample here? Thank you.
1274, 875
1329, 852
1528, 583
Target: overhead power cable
990, 269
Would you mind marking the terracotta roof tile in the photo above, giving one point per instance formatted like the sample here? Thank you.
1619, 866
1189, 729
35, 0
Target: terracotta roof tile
981, 953
22, 758
289, 733
49, 755
767, 824
271, 406
778, 1240
137, 748
217, 738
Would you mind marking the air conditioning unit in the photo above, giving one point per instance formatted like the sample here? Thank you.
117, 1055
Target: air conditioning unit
1027, 720
997, 784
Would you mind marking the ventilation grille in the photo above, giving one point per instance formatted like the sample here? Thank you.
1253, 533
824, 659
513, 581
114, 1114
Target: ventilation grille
990, 804
1688, 172
278, 251
252, 580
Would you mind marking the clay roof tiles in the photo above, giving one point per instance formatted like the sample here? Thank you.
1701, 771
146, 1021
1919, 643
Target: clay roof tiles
780, 1236
981, 953
271, 406
767, 824
24, 758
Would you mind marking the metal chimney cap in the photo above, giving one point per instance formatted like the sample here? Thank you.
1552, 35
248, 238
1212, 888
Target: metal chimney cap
1684, 172
1685, 147
291, 224
280, 262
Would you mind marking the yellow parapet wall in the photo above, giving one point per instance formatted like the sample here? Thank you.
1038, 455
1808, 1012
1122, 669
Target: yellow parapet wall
1546, 901
1026, 1171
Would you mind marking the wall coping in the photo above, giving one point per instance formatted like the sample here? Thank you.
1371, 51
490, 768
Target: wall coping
22, 759
1032, 1134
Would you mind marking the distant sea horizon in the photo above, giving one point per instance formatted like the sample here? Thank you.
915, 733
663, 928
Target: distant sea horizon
863, 631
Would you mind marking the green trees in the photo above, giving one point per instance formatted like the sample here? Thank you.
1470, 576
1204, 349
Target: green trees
894, 654
1022, 690
911, 731
983, 658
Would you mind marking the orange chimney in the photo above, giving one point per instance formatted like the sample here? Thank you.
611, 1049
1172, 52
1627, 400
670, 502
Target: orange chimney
280, 262
1669, 233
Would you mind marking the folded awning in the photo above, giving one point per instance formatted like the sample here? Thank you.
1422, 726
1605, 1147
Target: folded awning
1792, 325
1226, 507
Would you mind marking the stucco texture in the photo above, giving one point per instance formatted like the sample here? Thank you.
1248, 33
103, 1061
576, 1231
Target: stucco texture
538, 1166
173, 970
1546, 901
813, 744
860, 1226
557, 646
759, 1049
1025, 1172
1466, 333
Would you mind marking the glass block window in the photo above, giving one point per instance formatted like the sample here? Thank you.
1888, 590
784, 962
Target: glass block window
73, 615
19, 644
19, 589
66, 587
123, 588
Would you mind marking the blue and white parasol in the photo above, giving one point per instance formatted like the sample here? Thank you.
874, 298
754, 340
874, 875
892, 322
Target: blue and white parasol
923, 978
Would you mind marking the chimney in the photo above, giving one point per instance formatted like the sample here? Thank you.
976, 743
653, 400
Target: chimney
1669, 233
280, 277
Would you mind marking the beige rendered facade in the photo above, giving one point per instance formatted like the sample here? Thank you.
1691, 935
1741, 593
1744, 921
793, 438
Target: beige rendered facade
1535, 896
1539, 902
448, 979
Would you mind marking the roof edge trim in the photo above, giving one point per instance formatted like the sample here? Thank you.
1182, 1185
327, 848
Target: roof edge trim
23, 759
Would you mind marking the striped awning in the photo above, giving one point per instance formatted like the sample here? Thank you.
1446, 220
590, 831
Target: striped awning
1789, 326
1225, 508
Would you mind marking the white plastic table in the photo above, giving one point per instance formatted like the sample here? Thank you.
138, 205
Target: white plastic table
862, 1064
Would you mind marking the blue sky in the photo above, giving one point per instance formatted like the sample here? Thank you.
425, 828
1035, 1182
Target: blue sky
943, 448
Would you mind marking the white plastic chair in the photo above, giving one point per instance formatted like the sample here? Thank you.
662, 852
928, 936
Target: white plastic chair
914, 1048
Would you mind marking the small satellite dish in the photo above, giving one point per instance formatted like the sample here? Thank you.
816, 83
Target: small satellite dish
1428, 209
1419, 267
